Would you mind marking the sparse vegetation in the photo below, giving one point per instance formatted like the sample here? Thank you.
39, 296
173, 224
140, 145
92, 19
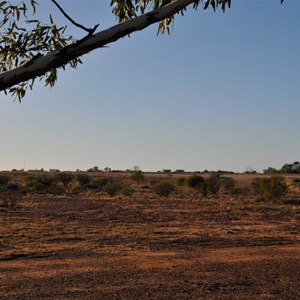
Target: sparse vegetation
138, 177
270, 189
127, 191
296, 181
65, 178
8, 192
101, 182
180, 181
213, 184
112, 188
194, 181
83, 179
70, 184
163, 189
4, 180
229, 185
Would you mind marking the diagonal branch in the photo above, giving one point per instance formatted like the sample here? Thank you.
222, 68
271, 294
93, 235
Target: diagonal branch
43, 64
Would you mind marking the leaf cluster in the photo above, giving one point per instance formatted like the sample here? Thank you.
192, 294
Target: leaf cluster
125, 10
24, 39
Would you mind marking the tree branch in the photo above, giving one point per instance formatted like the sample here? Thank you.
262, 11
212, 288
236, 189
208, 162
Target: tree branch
89, 30
43, 64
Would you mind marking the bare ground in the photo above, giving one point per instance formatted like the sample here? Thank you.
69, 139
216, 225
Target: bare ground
146, 247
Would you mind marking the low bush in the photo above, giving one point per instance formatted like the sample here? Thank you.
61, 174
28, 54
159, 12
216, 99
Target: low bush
42, 184
101, 182
65, 178
214, 184
127, 191
194, 181
4, 179
9, 194
270, 189
112, 188
296, 181
83, 179
180, 181
203, 188
229, 185
55, 190
138, 176
14, 187
163, 189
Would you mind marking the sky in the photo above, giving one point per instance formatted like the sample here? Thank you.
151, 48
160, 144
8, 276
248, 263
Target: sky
220, 93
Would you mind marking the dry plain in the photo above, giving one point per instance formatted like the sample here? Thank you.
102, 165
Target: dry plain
92, 246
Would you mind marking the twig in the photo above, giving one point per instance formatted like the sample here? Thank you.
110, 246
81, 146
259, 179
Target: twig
89, 30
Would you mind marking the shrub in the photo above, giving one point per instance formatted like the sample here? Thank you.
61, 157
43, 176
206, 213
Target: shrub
112, 188
83, 179
40, 184
296, 181
127, 191
9, 195
255, 185
270, 189
229, 185
163, 188
65, 178
4, 179
138, 176
203, 188
193, 181
101, 182
213, 184
180, 181
14, 187
55, 189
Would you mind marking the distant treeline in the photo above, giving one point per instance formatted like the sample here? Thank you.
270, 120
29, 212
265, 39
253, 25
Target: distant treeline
293, 168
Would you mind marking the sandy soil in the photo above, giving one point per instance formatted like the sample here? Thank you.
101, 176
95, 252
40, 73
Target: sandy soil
147, 247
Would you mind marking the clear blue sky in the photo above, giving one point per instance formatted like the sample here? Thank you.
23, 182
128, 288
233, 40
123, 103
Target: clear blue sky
222, 92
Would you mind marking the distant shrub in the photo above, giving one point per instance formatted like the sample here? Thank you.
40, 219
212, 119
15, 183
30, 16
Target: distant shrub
203, 188
112, 188
180, 181
214, 184
127, 191
296, 181
229, 185
75, 189
65, 178
138, 176
14, 187
270, 170
9, 194
40, 184
101, 182
163, 189
270, 189
83, 179
193, 181
55, 190
4, 179
256, 185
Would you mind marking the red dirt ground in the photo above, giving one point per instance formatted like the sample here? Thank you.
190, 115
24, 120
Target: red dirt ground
147, 247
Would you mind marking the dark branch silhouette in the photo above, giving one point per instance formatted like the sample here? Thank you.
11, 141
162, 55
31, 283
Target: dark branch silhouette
89, 30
